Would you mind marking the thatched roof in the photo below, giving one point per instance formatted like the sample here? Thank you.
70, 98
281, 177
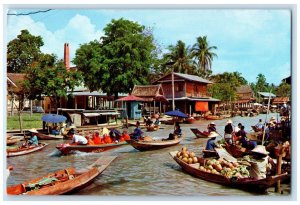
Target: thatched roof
244, 89
147, 90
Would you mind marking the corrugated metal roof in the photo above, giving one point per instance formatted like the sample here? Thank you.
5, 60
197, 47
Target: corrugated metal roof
266, 94
193, 78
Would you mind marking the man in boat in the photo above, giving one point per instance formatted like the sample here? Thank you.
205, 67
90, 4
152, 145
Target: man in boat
157, 122
137, 133
210, 144
77, 139
211, 127
260, 162
228, 132
259, 125
33, 141
96, 138
177, 133
241, 136
149, 122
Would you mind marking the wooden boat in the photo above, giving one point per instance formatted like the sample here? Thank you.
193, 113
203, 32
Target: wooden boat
189, 120
255, 129
248, 184
154, 144
199, 134
209, 153
213, 117
24, 150
63, 181
42, 136
235, 151
10, 142
69, 149
151, 128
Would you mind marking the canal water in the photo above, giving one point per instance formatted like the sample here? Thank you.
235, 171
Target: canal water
134, 173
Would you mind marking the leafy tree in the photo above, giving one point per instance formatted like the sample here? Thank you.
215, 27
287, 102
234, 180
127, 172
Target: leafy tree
121, 60
261, 84
49, 77
180, 57
23, 51
203, 53
283, 90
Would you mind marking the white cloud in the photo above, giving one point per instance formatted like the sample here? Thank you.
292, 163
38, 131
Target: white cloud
79, 30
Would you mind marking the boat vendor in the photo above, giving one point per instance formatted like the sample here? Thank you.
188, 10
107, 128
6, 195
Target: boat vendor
242, 137
228, 132
211, 127
77, 139
157, 122
259, 125
210, 144
137, 133
260, 162
106, 137
33, 141
177, 133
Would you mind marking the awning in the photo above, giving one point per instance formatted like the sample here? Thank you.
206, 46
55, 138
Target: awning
91, 114
201, 106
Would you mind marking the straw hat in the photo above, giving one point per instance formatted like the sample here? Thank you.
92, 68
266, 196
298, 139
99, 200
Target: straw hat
63, 124
272, 119
212, 123
33, 130
229, 122
260, 149
212, 134
105, 131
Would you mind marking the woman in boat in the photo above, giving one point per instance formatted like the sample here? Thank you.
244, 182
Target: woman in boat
77, 139
33, 141
228, 132
137, 133
211, 127
210, 144
177, 133
241, 136
260, 162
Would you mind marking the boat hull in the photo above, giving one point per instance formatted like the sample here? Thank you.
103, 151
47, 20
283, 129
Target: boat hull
49, 137
258, 185
74, 181
88, 148
153, 145
199, 134
24, 150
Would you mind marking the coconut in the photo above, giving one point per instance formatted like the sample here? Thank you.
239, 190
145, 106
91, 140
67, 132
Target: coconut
178, 154
183, 149
180, 157
185, 159
210, 167
195, 159
190, 160
185, 155
192, 154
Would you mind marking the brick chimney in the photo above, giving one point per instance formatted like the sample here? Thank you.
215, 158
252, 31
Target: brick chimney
67, 56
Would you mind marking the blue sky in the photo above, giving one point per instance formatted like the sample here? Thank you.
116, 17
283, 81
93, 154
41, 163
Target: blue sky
248, 41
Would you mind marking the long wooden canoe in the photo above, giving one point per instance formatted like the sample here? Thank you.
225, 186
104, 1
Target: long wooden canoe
235, 151
69, 149
42, 136
24, 150
213, 117
248, 184
199, 134
63, 181
189, 120
154, 144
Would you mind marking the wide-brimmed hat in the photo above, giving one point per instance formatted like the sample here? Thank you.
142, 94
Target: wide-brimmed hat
260, 149
71, 132
33, 130
212, 134
229, 122
272, 118
105, 131
213, 123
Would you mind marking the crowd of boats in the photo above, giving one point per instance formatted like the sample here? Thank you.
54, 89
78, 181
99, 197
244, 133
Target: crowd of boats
70, 180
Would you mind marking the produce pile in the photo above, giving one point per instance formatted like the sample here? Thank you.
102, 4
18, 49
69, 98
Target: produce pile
215, 166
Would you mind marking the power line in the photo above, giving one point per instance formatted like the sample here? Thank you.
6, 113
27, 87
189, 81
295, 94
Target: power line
25, 14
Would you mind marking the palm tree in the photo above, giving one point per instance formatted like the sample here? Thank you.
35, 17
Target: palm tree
180, 56
203, 53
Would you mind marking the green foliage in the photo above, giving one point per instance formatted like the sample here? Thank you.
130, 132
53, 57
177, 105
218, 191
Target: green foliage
120, 60
23, 51
203, 53
49, 77
283, 90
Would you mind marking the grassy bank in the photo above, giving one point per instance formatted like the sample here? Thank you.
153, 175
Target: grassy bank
28, 121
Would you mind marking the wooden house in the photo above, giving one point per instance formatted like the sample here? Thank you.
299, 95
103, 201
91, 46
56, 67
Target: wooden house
190, 93
245, 97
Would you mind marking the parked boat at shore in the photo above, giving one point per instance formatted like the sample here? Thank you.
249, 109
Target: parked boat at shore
22, 150
63, 181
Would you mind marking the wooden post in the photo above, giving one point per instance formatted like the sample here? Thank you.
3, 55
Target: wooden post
278, 171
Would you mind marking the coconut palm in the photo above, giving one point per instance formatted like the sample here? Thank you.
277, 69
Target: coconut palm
180, 56
203, 53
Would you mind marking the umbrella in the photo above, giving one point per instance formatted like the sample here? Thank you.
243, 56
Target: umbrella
53, 118
176, 113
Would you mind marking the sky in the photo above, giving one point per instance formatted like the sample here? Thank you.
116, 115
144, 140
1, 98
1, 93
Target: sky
249, 41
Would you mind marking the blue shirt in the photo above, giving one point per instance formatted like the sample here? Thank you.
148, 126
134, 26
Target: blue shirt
210, 145
33, 140
137, 133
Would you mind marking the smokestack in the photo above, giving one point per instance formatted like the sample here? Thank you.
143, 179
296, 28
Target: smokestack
67, 56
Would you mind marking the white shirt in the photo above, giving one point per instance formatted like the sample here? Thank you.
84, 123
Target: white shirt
79, 139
